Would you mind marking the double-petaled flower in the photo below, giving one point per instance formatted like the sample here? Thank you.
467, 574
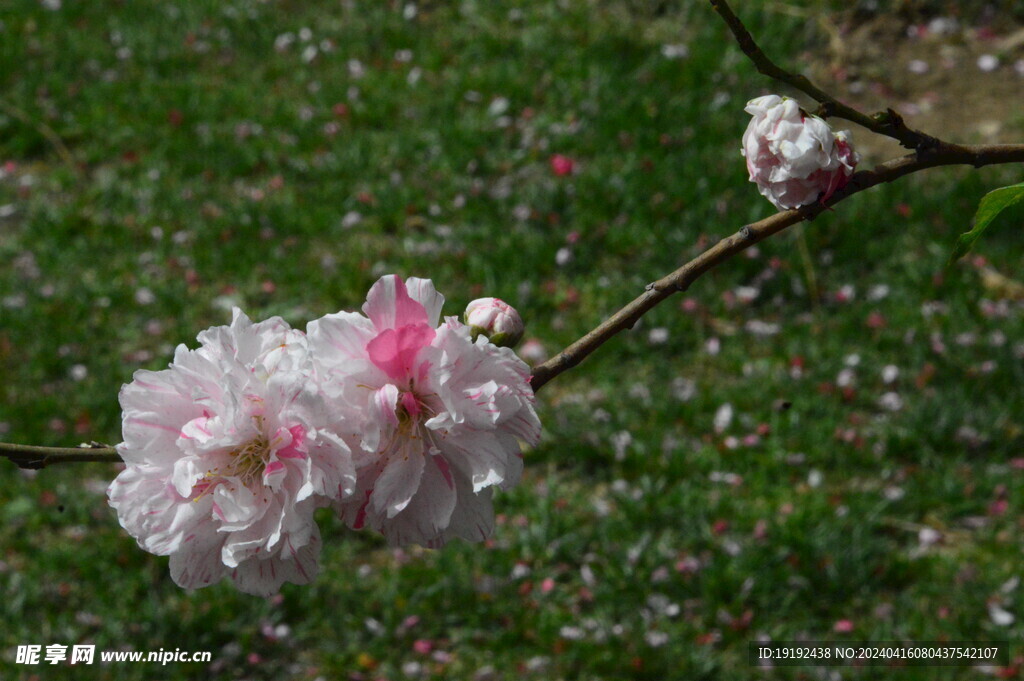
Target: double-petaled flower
443, 414
402, 425
229, 451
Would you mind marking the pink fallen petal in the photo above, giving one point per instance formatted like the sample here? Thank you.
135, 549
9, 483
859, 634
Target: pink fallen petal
562, 165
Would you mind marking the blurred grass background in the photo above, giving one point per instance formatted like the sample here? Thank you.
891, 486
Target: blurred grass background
163, 161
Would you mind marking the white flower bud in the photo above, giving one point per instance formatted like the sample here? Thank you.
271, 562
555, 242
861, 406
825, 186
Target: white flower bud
495, 319
794, 157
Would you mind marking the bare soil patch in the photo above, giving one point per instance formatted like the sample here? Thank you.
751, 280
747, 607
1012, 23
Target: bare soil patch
959, 82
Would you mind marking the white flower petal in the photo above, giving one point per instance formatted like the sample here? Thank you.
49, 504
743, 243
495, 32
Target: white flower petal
197, 563
265, 577
235, 505
426, 517
342, 336
398, 481
484, 458
423, 292
473, 517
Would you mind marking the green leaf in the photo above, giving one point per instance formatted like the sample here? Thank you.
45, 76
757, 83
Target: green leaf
992, 204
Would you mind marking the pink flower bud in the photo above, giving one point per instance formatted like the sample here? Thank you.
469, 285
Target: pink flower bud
495, 319
794, 157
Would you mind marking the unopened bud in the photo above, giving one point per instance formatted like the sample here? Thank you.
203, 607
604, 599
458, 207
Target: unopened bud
495, 319
794, 157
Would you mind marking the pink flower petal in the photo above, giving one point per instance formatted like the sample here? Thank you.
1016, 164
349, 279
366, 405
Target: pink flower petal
294, 450
394, 351
388, 305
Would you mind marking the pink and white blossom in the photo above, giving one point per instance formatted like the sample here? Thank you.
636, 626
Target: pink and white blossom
229, 451
794, 157
496, 319
443, 414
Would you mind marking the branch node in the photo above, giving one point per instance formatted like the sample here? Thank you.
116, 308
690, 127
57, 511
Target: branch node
826, 109
883, 118
809, 212
746, 233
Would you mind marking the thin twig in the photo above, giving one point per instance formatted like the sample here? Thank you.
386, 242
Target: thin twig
680, 280
888, 122
33, 457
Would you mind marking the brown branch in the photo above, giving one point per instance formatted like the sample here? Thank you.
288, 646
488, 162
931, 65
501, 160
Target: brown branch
30, 456
33, 457
888, 122
748, 235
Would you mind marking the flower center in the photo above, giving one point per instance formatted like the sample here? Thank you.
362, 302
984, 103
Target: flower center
411, 411
409, 407
249, 461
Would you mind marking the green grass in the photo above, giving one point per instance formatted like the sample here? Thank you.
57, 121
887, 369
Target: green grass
211, 169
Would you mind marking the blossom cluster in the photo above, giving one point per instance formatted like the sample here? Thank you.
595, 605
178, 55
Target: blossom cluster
794, 157
399, 421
